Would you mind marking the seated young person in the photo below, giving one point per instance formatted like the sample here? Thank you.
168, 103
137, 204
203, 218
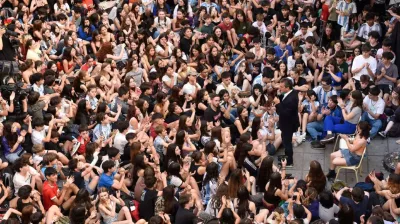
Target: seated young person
351, 115
51, 194
350, 156
373, 106
386, 75
316, 128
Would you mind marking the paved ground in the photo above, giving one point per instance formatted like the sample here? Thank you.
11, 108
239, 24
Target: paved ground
378, 147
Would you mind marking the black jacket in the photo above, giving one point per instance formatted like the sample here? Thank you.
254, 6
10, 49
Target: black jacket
288, 110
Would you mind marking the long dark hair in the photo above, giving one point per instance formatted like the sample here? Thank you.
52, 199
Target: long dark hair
275, 182
203, 128
216, 133
242, 149
170, 156
169, 199
200, 95
365, 128
264, 173
216, 200
345, 214
10, 136
234, 183
82, 108
134, 150
243, 202
180, 138
244, 122
139, 165
358, 99
182, 124
83, 199
211, 173
255, 126
174, 170
316, 176
236, 22
67, 54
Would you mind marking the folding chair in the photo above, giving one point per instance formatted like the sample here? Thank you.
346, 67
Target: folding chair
356, 169
343, 144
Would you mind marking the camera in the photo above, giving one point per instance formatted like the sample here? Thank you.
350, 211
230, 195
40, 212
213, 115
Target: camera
14, 41
20, 93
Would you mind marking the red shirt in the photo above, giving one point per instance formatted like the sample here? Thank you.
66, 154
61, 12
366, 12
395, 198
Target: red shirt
82, 147
49, 192
153, 130
85, 67
225, 27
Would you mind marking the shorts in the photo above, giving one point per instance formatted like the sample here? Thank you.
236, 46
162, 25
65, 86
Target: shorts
91, 191
386, 89
351, 158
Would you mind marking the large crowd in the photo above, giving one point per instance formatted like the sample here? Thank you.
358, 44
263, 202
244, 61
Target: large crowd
173, 111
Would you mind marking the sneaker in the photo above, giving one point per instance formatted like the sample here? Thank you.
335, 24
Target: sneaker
382, 133
328, 138
315, 142
331, 174
299, 139
303, 137
318, 145
289, 165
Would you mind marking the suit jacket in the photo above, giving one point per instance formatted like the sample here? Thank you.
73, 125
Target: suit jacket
288, 110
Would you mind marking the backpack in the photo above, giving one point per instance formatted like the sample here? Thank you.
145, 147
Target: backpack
369, 187
7, 176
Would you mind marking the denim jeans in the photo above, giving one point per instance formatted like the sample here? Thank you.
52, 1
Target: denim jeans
315, 129
376, 124
234, 114
11, 157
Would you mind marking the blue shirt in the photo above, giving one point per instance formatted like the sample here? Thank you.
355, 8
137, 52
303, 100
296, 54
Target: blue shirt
337, 112
334, 83
106, 181
279, 52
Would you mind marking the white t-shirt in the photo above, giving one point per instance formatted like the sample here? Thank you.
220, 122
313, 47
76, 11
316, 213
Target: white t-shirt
262, 28
38, 136
162, 24
20, 180
66, 7
37, 159
376, 107
161, 49
166, 78
379, 55
326, 214
120, 142
359, 61
299, 33
189, 88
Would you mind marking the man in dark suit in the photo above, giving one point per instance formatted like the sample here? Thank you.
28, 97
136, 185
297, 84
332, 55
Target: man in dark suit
287, 109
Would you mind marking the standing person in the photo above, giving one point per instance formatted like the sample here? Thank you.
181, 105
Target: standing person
287, 109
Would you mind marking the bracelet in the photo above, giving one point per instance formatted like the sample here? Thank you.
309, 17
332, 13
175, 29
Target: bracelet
283, 169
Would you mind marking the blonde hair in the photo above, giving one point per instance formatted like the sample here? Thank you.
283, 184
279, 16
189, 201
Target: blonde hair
36, 148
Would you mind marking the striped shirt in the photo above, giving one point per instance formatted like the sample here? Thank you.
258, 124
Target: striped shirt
350, 8
365, 30
323, 96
